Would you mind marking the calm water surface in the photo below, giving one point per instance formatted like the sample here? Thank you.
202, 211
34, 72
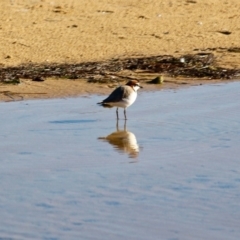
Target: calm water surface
172, 171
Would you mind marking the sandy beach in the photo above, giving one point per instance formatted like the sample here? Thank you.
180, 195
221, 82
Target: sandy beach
45, 31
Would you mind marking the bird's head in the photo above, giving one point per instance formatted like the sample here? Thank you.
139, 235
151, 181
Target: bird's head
134, 84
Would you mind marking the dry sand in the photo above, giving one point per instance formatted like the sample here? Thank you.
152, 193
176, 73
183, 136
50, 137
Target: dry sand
70, 31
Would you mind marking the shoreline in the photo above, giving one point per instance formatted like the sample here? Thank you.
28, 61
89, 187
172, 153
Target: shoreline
75, 80
56, 89
36, 81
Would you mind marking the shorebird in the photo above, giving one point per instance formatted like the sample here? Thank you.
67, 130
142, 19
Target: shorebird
123, 96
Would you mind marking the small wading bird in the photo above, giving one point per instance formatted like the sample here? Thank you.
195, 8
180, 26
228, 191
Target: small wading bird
123, 96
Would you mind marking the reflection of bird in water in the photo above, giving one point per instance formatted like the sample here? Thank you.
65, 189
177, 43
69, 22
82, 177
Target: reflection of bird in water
123, 141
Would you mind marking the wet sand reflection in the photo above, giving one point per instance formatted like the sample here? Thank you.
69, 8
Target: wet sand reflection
123, 141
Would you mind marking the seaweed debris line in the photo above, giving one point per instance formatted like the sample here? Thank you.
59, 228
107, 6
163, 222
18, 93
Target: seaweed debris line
200, 65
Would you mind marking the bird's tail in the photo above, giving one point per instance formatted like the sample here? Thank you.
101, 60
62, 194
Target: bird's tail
104, 105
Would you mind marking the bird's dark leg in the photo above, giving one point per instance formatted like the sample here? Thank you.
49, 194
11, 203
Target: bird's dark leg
117, 113
125, 114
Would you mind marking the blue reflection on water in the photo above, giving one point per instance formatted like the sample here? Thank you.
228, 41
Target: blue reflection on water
58, 181
72, 121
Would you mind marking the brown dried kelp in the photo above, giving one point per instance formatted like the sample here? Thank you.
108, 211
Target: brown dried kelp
194, 65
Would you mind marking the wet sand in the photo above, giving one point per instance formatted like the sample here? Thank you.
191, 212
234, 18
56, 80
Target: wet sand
62, 88
67, 172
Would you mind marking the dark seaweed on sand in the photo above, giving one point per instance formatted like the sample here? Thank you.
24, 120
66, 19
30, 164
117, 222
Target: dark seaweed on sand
201, 65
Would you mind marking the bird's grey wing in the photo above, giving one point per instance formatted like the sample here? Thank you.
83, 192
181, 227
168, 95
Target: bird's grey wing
115, 96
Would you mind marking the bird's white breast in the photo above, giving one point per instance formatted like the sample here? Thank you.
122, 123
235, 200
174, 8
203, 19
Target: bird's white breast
130, 99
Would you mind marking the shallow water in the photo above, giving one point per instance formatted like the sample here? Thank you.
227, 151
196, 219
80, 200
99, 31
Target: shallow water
172, 173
